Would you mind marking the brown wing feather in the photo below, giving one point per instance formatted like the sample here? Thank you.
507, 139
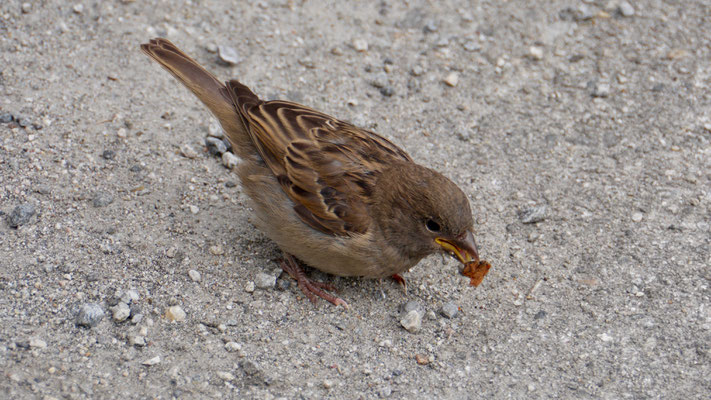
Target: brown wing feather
326, 166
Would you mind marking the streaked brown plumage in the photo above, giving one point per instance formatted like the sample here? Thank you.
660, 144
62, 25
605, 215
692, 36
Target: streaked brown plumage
341, 199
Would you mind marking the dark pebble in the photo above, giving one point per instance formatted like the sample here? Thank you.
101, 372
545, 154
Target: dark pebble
108, 154
136, 168
21, 215
230, 184
283, 282
387, 91
6, 118
539, 315
227, 143
23, 122
215, 146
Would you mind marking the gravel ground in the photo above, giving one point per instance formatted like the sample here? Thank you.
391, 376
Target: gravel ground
581, 130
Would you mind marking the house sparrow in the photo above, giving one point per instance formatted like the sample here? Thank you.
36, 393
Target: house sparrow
341, 199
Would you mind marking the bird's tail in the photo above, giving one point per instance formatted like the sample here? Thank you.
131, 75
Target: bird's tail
206, 87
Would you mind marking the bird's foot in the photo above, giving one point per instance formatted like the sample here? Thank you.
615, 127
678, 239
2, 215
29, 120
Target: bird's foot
310, 288
399, 279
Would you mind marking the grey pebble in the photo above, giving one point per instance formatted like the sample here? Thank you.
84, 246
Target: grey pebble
228, 55
449, 310
412, 321
534, 214
380, 80
129, 296
102, 199
89, 315
283, 282
194, 275
120, 312
5, 118
417, 70
430, 27
215, 146
410, 306
21, 215
264, 281
387, 91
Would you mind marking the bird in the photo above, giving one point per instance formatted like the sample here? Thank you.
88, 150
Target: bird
333, 196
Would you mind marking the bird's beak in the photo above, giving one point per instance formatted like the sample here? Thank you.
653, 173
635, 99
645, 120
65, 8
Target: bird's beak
463, 247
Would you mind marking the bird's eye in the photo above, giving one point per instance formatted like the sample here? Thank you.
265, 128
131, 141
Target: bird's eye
432, 226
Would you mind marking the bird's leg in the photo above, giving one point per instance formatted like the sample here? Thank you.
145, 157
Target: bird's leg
310, 288
399, 279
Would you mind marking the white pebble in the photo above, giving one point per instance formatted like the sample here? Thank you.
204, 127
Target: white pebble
229, 160
152, 361
187, 151
38, 343
175, 313
637, 217
120, 312
249, 287
536, 52
452, 79
360, 45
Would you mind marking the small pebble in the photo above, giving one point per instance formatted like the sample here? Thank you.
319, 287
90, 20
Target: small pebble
327, 384
38, 343
637, 217
215, 146
151, 361
626, 9
264, 281
78, 8
211, 48
360, 45
536, 52
412, 321
175, 313
452, 79
194, 209
108, 154
233, 347
225, 376
422, 359
187, 151
216, 250
136, 340
21, 215
194, 275
417, 70
26, 8
387, 91
249, 287
102, 199
228, 55
533, 214
230, 160
89, 315
449, 310
215, 130
5, 118
120, 312
598, 89
129, 296
472, 46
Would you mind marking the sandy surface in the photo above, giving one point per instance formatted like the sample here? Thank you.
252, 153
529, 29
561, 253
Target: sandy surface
597, 120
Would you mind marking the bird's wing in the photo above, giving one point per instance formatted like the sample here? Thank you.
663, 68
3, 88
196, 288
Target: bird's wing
327, 167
